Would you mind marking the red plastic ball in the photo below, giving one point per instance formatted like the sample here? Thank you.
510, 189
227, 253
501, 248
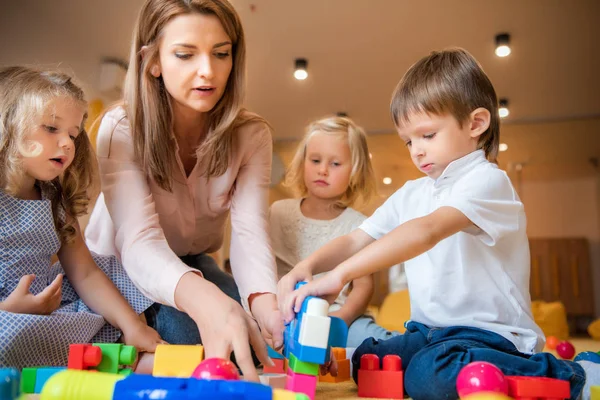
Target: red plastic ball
552, 342
565, 350
480, 376
216, 368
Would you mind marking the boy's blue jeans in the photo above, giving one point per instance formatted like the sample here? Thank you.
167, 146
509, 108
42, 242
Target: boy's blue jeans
433, 357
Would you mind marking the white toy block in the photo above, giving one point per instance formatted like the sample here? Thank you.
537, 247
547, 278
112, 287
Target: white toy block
314, 331
317, 307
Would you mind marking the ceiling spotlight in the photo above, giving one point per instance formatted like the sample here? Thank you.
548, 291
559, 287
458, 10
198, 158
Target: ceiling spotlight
503, 108
502, 45
300, 72
387, 180
503, 147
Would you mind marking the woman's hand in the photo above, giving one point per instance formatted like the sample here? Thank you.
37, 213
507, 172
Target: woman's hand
270, 320
224, 325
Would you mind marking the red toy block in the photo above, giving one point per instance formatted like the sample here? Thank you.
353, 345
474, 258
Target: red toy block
84, 356
279, 367
384, 383
536, 388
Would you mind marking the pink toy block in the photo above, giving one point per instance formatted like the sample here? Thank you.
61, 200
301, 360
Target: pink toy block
384, 383
532, 388
299, 383
480, 376
279, 367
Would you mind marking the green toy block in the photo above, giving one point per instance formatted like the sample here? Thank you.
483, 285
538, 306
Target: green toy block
114, 355
28, 377
595, 392
301, 367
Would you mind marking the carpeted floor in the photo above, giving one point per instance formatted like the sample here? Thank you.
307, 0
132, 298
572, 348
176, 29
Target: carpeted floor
347, 390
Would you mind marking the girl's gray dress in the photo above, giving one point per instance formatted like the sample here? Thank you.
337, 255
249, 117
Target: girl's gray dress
28, 240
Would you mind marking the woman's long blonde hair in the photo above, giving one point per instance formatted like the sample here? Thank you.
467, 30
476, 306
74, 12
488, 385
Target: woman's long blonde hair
361, 187
25, 93
148, 104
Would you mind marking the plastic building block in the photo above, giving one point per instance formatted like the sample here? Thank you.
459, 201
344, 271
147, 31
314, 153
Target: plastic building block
529, 387
114, 355
216, 368
273, 354
89, 385
338, 332
300, 383
28, 377
480, 376
274, 380
9, 384
343, 367
565, 350
588, 356
42, 376
84, 356
552, 342
387, 382
595, 392
301, 367
486, 396
279, 394
278, 368
307, 353
314, 324
176, 360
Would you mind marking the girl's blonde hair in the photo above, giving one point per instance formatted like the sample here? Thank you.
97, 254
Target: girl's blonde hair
25, 94
361, 187
148, 104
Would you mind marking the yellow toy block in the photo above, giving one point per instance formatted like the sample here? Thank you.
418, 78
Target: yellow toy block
279, 394
177, 361
595, 392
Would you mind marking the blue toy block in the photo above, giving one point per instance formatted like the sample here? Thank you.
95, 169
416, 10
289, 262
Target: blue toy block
299, 284
145, 387
274, 354
308, 354
9, 384
43, 374
338, 333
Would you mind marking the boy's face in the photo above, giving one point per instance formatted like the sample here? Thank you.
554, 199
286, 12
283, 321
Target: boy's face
434, 141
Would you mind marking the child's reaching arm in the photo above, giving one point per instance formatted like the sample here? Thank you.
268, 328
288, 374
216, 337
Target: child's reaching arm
357, 300
322, 260
101, 295
407, 241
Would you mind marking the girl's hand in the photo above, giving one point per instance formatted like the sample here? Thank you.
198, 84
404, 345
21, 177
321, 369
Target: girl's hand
270, 320
22, 301
327, 287
300, 273
142, 337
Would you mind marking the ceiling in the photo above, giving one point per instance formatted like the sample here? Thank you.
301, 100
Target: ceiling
357, 51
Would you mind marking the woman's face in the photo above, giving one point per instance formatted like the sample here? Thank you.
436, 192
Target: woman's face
195, 60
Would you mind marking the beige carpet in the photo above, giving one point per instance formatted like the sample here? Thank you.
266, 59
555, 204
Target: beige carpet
347, 390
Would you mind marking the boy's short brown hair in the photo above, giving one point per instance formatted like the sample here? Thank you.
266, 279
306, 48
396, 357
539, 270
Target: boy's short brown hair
449, 82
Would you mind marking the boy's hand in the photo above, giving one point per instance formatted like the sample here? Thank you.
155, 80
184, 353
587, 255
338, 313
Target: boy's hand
142, 337
300, 273
327, 287
22, 301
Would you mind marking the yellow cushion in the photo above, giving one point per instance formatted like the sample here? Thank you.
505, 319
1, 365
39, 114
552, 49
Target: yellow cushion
594, 331
394, 311
551, 318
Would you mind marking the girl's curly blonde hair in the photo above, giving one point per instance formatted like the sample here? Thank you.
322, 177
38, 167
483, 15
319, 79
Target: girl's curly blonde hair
25, 93
362, 185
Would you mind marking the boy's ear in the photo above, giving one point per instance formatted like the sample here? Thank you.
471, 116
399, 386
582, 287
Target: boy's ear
479, 121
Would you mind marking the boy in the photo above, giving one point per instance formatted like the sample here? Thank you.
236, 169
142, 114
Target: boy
460, 232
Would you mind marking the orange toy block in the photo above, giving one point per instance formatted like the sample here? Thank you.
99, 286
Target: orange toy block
84, 356
178, 361
278, 368
339, 354
384, 383
535, 388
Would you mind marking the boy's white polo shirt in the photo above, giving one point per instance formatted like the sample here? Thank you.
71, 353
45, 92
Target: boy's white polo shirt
478, 277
